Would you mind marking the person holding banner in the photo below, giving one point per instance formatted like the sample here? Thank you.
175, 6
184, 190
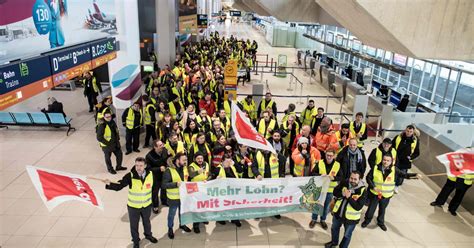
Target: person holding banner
350, 196
174, 175
140, 185
199, 171
461, 184
330, 167
244, 155
381, 180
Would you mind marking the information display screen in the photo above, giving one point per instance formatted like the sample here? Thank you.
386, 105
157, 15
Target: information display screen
339, 40
371, 51
399, 60
330, 37
356, 44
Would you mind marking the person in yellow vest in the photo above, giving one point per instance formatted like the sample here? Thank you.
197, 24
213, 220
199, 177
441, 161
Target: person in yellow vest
190, 133
381, 181
359, 129
175, 106
267, 102
140, 184
461, 183
244, 155
149, 120
225, 121
227, 169
132, 120
343, 136
174, 145
377, 153
330, 167
288, 112
248, 105
408, 149
91, 89
350, 196
199, 171
174, 175
204, 120
102, 107
306, 116
216, 131
266, 125
109, 140
201, 146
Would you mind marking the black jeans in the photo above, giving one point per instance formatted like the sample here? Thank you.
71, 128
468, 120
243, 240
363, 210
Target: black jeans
108, 154
448, 188
150, 133
158, 194
399, 180
92, 100
132, 139
134, 215
374, 201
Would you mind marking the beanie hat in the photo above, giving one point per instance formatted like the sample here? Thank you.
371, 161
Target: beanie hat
302, 140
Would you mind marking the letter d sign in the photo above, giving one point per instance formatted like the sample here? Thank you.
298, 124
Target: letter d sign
74, 58
55, 64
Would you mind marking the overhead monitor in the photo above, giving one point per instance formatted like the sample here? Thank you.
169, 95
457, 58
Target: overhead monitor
339, 40
319, 33
330, 37
356, 45
399, 60
235, 13
148, 68
371, 51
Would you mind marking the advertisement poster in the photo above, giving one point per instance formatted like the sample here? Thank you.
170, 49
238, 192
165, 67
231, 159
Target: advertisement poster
31, 27
236, 199
187, 12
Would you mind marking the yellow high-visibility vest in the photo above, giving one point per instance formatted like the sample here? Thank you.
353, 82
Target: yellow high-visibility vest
398, 139
173, 194
147, 113
107, 135
139, 194
468, 178
379, 156
205, 172
351, 213
179, 148
274, 165
334, 170
361, 132
222, 171
130, 120
388, 186
264, 131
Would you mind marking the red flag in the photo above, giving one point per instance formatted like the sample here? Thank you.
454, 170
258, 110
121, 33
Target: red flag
55, 187
245, 132
459, 162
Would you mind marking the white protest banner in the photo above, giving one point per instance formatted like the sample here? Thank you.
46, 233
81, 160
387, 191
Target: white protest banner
234, 199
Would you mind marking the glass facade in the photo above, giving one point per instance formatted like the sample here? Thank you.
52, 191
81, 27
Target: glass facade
440, 82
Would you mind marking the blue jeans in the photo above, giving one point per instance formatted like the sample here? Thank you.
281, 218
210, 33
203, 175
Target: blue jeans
325, 208
171, 213
348, 229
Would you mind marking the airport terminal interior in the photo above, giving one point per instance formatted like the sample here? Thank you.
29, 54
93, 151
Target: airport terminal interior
405, 65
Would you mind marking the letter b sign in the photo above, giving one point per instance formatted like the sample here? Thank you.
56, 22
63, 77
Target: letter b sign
74, 57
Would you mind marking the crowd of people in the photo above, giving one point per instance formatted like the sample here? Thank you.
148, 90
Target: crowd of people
187, 119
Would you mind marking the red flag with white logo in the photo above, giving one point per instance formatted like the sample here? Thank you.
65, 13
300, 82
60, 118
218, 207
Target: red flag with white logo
245, 132
459, 162
56, 187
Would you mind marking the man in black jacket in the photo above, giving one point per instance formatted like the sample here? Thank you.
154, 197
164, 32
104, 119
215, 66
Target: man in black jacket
132, 121
350, 196
377, 153
109, 139
156, 161
140, 184
280, 148
408, 148
54, 107
381, 180
351, 158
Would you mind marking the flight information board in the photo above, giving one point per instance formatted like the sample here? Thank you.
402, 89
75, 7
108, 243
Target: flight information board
103, 51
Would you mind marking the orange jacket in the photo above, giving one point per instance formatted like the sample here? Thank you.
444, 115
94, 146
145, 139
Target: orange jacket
325, 141
299, 160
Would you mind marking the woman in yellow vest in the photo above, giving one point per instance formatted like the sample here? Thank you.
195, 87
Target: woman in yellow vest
140, 184
305, 158
199, 171
201, 146
190, 133
330, 167
163, 127
350, 196
174, 175
381, 181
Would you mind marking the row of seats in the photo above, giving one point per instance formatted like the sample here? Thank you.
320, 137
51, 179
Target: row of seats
35, 119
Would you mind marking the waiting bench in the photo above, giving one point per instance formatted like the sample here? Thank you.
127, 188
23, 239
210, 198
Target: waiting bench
35, 119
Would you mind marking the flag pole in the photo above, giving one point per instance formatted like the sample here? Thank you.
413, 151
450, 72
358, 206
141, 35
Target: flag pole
98, 179
436, 174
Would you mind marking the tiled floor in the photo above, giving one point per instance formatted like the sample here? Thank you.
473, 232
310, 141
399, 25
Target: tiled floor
25, 222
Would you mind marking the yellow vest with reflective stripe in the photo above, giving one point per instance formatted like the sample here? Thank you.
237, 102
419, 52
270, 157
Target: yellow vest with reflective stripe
100, 115
264, 132
172, 109
250, 108
129, 121
227, 109
173, 194
388, 186
189, 138
334, 170
107, 135
208, 151
274, 165
379, 156
205, 172
179, 148
139, 195
468, 178
222, 171
147, 114
287, 138
398, 139
269, 105
363, 126
351, 213
307, 116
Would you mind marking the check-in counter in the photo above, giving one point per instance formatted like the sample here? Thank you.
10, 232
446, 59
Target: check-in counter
324, 76
340, 85
352, 89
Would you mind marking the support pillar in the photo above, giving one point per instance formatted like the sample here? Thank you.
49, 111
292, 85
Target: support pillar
165, 30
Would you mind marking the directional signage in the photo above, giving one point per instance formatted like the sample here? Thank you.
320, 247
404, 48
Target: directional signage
103, 51
202, 21
70, 63
22, 80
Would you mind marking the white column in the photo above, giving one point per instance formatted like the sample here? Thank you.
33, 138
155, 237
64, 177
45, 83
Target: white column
165, 29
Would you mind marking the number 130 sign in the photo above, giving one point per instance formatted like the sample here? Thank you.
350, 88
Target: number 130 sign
41, 17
